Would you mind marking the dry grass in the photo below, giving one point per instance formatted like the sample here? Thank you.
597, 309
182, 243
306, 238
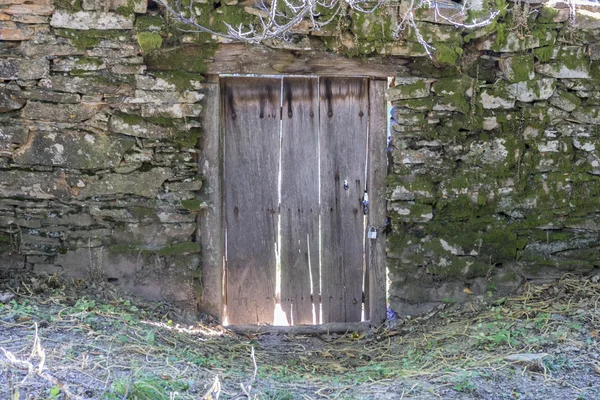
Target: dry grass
94, 343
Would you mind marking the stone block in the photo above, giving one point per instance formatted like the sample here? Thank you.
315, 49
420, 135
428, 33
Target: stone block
48, 269
136, 126
412, 212
433, 33
13, 69
409, 88
12, 132
147, 82
57, 112
36, 185
153, 236
32, 9
168, 217
85, 20
148, 275
114, 50
517, 68
30, 19
12, 261
82, 64
145, 184
588, 19
49, 49
10, 100
73, 150
532, 90
22, 222
410, 192
39, 245
85, 85
142, 96
128, 69
76, 264
171, 111
567, 62
187, 185
9, 31
557, 69
593, 50
514, 43
564, 100
587, 115
50, 96
493, 99
184, 262
78, 219
440, 15
137, 6
93, 5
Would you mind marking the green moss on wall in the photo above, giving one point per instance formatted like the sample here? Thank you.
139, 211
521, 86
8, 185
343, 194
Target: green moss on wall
179, 248
90, 38
188, 139
132, 119
546, 14
217, 19
186, 58
192, 204
521, 67
448, 53
149, 23
89, 61
127, 9
543, 54
149, 41
181, 79
143, 213
68, 5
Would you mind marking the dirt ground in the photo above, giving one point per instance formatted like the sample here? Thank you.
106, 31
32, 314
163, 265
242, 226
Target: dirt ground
76, 340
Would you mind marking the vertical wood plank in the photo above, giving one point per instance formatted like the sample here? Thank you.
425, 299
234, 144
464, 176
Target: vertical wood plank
300, 199
343, 130
251, 135
210, 222
377, 171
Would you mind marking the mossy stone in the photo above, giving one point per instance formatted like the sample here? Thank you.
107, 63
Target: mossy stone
179, 248
186, 58
149, 41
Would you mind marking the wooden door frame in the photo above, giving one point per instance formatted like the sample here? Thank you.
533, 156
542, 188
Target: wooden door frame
211, 224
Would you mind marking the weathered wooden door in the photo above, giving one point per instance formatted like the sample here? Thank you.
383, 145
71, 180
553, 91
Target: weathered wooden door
295, 152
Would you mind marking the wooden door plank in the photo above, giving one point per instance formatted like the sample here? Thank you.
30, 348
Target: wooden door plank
377, 171
210, 222
343, 141
251, 133
300, 199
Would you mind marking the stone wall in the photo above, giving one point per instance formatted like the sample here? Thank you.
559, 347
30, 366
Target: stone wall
495, 178
494, 175
98, 159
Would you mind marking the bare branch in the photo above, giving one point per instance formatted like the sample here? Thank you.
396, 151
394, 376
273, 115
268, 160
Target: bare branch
277, 19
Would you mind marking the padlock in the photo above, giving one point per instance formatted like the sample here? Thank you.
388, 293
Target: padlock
372, 234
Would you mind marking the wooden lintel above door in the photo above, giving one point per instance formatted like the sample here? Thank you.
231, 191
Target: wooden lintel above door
245, 59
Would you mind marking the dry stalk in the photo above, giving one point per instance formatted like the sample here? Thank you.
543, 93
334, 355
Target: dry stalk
214, 392
248, 388
39, 370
